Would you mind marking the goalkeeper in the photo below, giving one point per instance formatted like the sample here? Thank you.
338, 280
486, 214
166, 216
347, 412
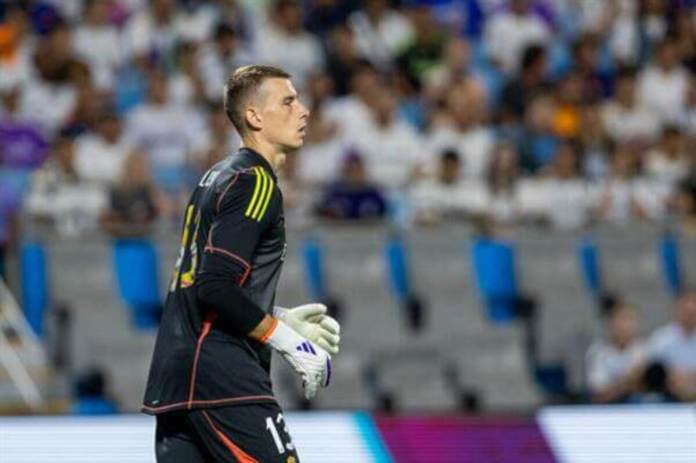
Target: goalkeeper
209, 383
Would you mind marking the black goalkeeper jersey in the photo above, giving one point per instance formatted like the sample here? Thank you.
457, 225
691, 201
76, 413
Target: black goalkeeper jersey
233, 226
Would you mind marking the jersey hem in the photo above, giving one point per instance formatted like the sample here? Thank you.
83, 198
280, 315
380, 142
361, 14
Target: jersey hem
198, 404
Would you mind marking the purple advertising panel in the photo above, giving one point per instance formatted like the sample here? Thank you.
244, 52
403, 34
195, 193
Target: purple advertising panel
463, 440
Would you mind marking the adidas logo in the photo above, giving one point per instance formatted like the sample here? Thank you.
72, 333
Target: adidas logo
307, 347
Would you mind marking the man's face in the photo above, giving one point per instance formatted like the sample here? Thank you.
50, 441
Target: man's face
623, 326
279, 115
686, 311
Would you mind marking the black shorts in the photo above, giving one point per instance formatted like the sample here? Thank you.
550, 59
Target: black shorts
243, 433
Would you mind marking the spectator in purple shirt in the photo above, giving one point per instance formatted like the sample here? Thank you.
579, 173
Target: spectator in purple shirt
22, 145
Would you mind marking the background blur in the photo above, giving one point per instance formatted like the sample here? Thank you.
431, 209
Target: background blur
496, 198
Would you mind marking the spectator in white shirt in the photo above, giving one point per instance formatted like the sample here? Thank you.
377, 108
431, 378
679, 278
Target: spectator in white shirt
624, 117
501, 199
95, 41
562, 198
466, 131
284, 42
664, 84
16, 58
172, 135
218, 58
320, 159
351, 112
58, 197
669, 162
674, 345
614, 363
623, 196
381, 32
509, 32
390, 148
445, 195
454, 69
152, 31
186, 85
51, 97
99, 157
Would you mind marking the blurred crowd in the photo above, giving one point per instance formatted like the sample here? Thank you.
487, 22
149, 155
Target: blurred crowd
556, 112
625, 367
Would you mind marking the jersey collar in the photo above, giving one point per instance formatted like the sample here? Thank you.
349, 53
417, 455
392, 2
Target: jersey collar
255, 159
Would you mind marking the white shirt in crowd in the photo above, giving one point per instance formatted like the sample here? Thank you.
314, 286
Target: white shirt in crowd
675, 347
607, 364
99, 161
648, 195
142, 34
350, 113
564, 203
507, 36
172, 135
623, 124
97, 46
214, 68
18, 69
320, 163
380, 43
299, 54
474, 146
666, 170
471, 196
664, 92
50, 105
433, 198
390, 154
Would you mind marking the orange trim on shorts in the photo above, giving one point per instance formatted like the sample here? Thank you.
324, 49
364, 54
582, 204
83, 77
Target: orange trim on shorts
239, 454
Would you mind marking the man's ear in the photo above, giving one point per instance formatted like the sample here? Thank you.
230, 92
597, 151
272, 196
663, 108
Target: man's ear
253, 118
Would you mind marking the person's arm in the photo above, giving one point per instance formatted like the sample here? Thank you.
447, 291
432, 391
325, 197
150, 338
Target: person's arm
226, 261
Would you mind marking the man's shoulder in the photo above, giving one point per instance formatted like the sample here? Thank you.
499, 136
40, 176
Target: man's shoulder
234, 184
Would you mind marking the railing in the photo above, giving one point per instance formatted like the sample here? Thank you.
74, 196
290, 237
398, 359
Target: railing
20, 349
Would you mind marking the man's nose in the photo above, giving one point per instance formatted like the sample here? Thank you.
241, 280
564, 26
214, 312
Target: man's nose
304, 111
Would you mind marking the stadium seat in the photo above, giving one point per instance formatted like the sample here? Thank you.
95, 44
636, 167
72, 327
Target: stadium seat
35, 293
669, 258
137, 275
589, 260
494, 267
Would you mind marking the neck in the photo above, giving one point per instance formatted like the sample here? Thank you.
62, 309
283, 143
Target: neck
270, 152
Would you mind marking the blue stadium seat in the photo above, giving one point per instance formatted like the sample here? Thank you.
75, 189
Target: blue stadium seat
669, 258
35, 293
397, 263
590, 269
137, 275
494, 267
312, 257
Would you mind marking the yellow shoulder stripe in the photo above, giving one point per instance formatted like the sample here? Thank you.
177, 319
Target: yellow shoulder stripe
268, 197
263, 190
256, 193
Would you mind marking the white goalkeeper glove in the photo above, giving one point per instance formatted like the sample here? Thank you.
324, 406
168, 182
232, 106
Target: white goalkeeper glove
309, 360
311, 321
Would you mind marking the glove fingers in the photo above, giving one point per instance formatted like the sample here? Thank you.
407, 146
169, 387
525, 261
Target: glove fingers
330, 324
328, 347
307, 311
310, 389
329, 338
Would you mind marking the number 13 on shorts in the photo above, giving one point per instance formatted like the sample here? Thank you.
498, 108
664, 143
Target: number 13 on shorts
273, 429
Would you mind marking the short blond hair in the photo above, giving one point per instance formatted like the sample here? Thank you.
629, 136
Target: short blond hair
242, 84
